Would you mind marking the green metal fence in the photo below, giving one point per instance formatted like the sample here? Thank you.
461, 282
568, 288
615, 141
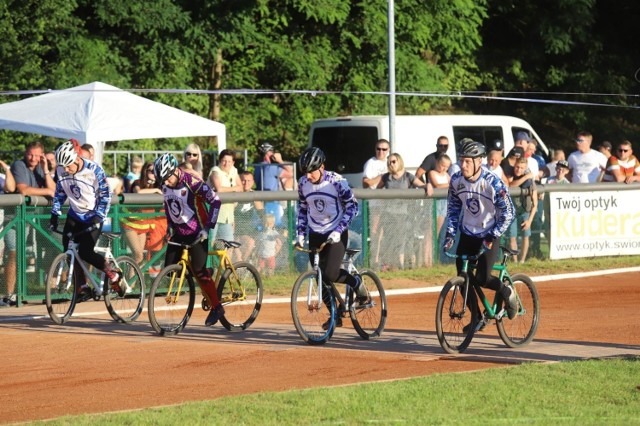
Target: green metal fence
384, 229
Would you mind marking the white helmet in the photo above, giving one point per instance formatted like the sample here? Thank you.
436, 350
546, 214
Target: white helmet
66, 153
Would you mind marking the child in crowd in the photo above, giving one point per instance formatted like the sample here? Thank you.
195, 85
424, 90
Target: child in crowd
269, 244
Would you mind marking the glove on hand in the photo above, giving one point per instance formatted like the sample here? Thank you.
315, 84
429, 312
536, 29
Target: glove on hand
334, 238
53, 222
203, 235
96, 220
448, 242
300, 241
487, 243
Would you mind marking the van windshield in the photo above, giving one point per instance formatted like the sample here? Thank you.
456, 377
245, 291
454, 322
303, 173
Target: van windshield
347, 147
486, 135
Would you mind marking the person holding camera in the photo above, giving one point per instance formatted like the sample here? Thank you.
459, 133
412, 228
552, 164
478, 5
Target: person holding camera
271, 174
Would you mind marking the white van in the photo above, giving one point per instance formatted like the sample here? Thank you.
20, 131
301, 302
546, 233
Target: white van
349, 142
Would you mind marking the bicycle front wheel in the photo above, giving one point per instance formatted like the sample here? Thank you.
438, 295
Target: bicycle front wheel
128, 307
313, 319
520, 330
171, 301
60, 292
369, 320
455, 322
241, 295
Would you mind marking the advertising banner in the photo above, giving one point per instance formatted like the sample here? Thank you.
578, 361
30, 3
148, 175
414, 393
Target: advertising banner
587, 224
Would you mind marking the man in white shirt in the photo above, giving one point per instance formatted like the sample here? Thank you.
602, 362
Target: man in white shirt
586, 165
376, 166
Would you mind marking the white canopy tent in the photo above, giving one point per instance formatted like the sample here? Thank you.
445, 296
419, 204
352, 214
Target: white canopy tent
96, 113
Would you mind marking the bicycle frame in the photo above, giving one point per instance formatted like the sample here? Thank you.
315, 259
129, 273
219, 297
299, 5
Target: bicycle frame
467, 266
72, 252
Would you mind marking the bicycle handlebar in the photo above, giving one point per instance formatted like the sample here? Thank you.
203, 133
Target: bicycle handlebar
317, 250
186, 246
469, 257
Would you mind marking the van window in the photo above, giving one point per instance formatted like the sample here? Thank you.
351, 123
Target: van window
483, 134
347, 148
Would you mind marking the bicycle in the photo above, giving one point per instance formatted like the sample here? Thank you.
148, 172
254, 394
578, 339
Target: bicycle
456, 321
173, 293
63, 283
314, 323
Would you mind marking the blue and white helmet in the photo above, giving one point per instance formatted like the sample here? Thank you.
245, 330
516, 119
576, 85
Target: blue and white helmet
165, 166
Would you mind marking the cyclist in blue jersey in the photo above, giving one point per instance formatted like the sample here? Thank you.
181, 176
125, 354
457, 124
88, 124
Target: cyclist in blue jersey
192, 209
326, 208
84, 184
480, 207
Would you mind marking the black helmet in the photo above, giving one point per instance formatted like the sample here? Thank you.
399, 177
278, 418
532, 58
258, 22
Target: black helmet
265, 147
472, 149
311, 160
460, 143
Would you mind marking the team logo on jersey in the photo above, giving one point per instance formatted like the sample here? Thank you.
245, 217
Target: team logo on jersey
473, 204
319, 205
175, 207
75, 191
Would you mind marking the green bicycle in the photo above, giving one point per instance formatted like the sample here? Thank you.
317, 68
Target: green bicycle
455, 319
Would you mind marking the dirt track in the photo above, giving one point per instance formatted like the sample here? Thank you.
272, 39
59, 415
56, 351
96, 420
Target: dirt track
53, 370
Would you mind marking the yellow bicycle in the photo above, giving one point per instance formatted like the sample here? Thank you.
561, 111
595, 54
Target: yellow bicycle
173, 293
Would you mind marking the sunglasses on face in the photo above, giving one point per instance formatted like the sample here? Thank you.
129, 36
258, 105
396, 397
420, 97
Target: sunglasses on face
442, 146
392, 162
192, 154
382, 149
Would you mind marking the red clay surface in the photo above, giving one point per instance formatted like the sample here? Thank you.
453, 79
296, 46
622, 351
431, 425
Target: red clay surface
90, 363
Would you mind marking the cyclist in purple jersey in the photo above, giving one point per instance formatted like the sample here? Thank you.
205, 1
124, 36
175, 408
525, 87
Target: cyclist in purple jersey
327, 207
192, 208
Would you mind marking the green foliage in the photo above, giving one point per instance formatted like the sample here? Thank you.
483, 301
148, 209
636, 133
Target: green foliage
573, 46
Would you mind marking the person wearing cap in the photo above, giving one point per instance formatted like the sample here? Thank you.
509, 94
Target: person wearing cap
271, 173
562, 170
524, 141
624, 166
509, 163
605, 148
585, 164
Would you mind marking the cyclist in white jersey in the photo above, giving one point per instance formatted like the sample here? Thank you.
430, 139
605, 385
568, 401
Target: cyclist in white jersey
327, 207
85, 185
480, 207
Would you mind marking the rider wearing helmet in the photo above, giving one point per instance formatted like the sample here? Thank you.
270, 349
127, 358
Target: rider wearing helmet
85, 185
481, 210
327, 207
191, 207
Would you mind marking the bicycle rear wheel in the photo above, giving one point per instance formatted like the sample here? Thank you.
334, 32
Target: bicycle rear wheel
369, 320
128, 307
520, 330
60, 292
310, 314
241, 295
455, 322
170, 301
